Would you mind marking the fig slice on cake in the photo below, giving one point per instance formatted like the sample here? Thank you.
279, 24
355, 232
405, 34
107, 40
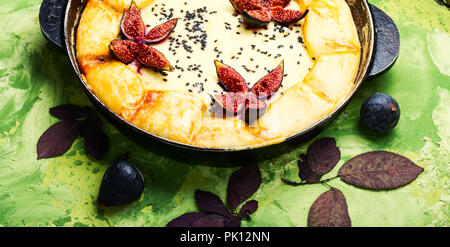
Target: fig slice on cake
125, 50
270, 83
227, 103
151, 57
256, 18
132, 25
135, 45
287, 16
259, 13
249, 104
254, 108
246, 5
161, 32
275, 3
230, 79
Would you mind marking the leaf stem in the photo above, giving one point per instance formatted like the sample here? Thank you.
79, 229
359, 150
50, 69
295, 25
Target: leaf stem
288, 182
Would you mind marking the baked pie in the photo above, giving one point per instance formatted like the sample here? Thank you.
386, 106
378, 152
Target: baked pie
219, 74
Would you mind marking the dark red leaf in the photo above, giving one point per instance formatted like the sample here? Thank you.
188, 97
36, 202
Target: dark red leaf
68, 112
185, 220
210, 220
96, 144
242, 184
248, 208
57, 139
323, 155
379, 170
232, 222
210, 202
329, 210
305, 172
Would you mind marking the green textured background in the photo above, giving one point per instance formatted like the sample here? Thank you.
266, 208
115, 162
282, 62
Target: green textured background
62, 191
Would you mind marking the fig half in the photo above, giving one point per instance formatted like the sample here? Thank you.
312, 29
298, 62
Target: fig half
151, 57
246, 5
132, 25
230, 79
254, 108
275, 3
161, 32
270, 83
122, 183
227, 103
287, 16
125, 50
256, 18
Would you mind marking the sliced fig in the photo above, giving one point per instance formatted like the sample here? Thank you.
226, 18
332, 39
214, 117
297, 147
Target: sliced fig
229, 103
231, 80
256, 18
125, 50
151, 57
246, 5
254, 108
132, 24
275, 3
161, 32
270, 83
287, 16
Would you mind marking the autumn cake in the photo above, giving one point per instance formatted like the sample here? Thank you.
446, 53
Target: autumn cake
219, 74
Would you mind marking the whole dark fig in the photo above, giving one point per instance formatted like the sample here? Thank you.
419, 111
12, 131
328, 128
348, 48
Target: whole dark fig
380, 113
122, 183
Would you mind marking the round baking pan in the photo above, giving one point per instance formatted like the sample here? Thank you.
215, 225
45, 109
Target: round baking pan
59, 21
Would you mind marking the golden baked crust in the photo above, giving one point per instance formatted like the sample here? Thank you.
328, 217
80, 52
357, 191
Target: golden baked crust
144, 100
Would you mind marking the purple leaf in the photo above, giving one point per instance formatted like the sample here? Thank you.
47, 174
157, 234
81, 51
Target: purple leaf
68, 112
323, 155
232, 222
248, 208
379, 170
210, 202
329, 210
185, 220
96, 142
305, 172
57, 139
210, 220
242, 184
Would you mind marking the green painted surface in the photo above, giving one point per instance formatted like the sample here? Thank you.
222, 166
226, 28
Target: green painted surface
62, 191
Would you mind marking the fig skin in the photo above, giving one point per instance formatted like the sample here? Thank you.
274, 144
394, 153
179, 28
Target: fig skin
151, 57
124, 50
287, 16
270, 83
256, 18
161, 32
229, 104
132, 25
246, 5
122, 184
230, 79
